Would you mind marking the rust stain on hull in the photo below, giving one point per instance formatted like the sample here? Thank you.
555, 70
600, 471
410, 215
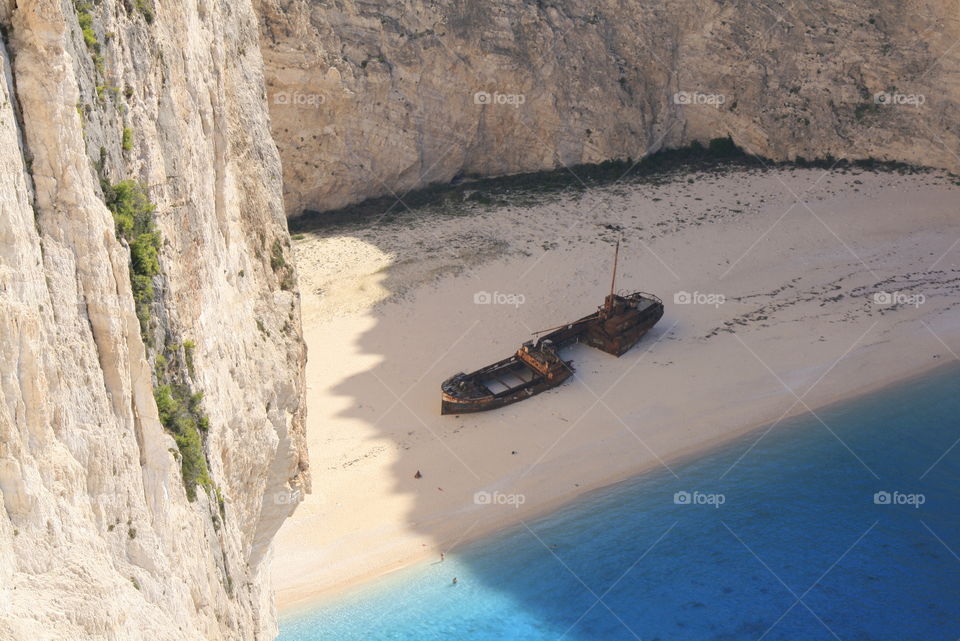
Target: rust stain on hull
537, 366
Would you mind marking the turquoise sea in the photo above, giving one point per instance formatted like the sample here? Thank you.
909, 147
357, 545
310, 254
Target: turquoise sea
845, 529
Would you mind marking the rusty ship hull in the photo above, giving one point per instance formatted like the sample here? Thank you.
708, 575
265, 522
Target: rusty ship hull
614, 328
537, 366
497, 385
622, 327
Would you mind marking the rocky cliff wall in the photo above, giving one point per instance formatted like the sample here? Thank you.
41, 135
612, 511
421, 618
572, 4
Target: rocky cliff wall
121, 518
375, 98
151, 364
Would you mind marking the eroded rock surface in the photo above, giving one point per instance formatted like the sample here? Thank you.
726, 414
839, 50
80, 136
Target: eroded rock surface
376, 98
98, 538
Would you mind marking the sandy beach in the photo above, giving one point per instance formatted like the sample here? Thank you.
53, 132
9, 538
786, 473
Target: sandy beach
785, 290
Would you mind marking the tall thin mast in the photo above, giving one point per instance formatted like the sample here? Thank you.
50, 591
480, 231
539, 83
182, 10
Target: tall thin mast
613, 280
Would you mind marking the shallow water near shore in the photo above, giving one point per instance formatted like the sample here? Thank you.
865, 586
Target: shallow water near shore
844, 524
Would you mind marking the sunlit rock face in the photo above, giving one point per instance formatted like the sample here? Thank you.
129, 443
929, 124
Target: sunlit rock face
98, 538
98, 534
376, 98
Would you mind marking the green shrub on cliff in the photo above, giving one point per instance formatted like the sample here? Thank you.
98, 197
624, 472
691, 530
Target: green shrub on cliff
84, 11
181, 414
180, 409
131, 208
126, 142
277, 261
145, 8
143, 254
85, 18
133, 215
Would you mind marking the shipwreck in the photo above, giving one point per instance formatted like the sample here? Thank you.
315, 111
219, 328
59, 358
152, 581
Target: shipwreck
615, 327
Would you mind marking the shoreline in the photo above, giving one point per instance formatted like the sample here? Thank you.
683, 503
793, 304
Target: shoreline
387, 312
301, 606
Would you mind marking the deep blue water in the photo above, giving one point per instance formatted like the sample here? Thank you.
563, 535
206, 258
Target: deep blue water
798, 550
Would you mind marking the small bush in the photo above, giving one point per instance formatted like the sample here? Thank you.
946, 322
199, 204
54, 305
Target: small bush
144, 254
280, 267
133, 216
188, 347
221, 504
127, 142
182, 415
166, 406
85, 18
131, 208
277, 261
195, 403
143, 295
145, 9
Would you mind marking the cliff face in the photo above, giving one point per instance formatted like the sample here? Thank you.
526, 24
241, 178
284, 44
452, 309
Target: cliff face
375, 98
151, 389
193, 304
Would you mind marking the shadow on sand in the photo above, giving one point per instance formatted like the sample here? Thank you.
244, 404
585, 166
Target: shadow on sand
570, 593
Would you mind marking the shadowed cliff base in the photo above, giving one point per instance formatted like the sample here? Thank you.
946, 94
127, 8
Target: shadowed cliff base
468, 193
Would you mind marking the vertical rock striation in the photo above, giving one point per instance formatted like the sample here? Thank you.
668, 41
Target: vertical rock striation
375, 98
151, 360
98, 536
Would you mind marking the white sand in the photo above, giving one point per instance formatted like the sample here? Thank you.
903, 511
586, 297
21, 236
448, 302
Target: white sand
389, 313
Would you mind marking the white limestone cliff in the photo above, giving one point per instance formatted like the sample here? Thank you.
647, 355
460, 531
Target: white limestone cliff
98, 538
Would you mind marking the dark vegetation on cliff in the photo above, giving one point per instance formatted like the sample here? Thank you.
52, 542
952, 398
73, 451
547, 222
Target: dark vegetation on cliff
133, 215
